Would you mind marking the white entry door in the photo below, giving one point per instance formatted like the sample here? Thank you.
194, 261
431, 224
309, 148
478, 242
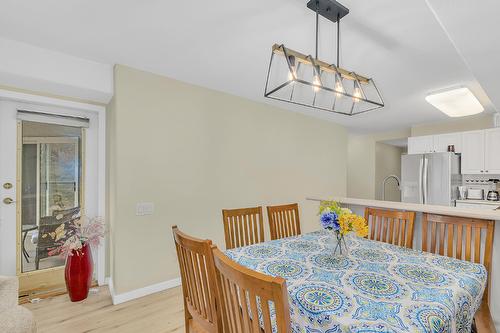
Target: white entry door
62, 163
8, 188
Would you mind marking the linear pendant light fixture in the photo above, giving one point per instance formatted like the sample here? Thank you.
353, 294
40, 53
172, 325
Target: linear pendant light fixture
305, 80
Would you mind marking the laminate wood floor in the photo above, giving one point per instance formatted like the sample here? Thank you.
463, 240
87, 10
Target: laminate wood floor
161, 312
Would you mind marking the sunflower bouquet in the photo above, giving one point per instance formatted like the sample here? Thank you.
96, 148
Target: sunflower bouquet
342, 221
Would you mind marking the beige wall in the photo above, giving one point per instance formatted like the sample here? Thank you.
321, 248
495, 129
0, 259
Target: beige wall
471, 123
362, 180
387, 162
361, 167
193, 151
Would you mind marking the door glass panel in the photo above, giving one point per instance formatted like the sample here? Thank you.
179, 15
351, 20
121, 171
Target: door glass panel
59, 174
51, 191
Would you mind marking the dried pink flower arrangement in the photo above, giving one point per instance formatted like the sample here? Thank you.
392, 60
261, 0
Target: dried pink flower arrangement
81, 231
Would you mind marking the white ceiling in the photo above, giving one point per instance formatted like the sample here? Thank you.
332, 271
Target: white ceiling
410, 48
474, 29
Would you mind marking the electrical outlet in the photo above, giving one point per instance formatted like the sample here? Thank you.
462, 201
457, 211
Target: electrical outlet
144, 208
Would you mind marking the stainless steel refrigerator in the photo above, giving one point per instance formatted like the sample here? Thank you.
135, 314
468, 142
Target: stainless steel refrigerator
430, 178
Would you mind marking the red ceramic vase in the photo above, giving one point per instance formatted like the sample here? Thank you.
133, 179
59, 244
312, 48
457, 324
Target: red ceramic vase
78, 273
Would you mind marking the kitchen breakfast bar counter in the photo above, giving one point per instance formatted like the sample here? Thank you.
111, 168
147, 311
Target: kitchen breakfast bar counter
483, 214
358, 206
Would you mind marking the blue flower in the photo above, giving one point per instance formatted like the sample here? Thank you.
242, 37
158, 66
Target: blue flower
329, 220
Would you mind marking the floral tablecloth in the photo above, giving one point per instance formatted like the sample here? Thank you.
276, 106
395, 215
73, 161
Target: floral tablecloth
376, 287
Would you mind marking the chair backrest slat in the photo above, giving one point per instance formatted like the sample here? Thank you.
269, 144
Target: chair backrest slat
450, 237
459, 242
243, 226
389, 226
391, 231
197, 269
433, 240
477, 245
284, 220
441, 239
246, 295
459, 228
397, 234
402, 238
468, 232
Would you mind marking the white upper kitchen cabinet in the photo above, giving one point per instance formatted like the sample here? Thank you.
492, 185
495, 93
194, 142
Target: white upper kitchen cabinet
492, 151
442, 141
480, 149
421, 144
473, 150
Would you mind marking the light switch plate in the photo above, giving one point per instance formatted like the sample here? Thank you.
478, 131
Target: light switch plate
144, 208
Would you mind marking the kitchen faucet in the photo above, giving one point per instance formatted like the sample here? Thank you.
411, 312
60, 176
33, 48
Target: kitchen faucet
385, 181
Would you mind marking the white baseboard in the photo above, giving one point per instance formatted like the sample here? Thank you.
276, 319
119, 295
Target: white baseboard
141, 292
111, 288
106, 281
103, 282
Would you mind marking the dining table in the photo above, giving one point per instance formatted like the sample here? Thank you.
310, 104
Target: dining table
371, 287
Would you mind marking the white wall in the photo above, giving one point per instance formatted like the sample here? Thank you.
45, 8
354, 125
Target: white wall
193, 151
25, 66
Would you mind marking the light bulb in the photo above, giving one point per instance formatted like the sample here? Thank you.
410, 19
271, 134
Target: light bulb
339, 88
316, 83
292, 73
357, 94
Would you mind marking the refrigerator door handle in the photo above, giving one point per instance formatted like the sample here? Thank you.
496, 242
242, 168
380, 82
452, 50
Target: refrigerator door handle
424, 180
420, 172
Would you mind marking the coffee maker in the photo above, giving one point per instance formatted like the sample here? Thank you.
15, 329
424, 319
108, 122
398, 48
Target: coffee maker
493, 194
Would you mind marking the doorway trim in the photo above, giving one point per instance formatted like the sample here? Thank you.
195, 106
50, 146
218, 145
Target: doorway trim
76, 109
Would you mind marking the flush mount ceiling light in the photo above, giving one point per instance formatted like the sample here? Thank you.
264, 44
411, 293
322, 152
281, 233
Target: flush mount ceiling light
459, 102
305, 80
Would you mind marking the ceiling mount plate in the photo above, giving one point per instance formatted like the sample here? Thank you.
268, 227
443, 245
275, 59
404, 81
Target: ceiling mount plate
329, 9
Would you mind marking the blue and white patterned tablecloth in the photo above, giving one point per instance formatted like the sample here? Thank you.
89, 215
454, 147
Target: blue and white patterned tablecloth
377, 287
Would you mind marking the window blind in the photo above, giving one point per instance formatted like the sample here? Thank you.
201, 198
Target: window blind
49, 118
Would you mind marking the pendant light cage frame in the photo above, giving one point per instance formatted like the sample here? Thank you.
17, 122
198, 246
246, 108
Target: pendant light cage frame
305, 80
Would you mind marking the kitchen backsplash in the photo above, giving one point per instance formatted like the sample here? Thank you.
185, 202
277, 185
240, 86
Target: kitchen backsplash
481, 181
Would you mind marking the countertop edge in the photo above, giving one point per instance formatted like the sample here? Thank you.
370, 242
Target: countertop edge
479, 202
483, 214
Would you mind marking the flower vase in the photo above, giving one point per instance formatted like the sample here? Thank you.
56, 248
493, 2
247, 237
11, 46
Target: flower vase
340, 245
78, 273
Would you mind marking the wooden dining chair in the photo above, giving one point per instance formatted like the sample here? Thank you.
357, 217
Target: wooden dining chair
461, 238
245, 294
197, 269
243, 226
284, 220
390, 226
